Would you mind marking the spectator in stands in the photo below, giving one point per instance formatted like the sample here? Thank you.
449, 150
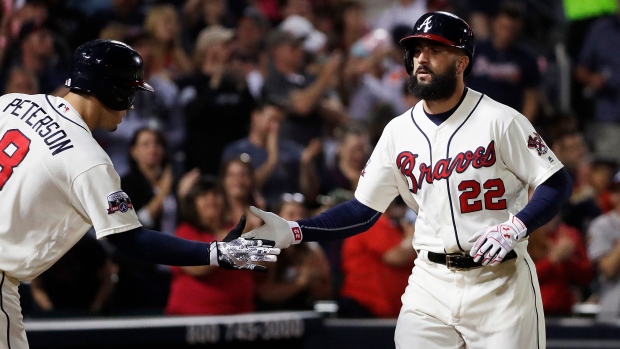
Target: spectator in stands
239, 186
150, 181
281, 165
401, 12
598, 69
375, 73
314, 42
207, 290
79, 284
346, 158
302, 275
396, 73
310, 102
215, 94
504, 70
159, 111
251, 29
248, 53
168, 56
604, 252
376, 266
349, 24
480, 16
361, 78
143, 286
601, 173
579, 17
570, 148
197, 15
20, 80
69, 22
130, 13
562, 264
35, 50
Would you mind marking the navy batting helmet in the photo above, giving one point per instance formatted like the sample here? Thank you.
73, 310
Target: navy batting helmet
109, 70
442, 27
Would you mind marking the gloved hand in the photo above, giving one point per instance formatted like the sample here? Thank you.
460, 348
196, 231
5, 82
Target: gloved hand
235, 252
493, 243
283, 232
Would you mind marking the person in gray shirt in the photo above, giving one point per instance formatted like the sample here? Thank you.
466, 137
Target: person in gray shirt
604, 252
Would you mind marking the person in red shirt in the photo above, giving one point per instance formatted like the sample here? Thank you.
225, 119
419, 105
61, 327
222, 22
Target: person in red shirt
207, 290
562, 265
376, 266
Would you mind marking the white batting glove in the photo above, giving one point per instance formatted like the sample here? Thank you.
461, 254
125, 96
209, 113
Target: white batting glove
493, 243
235, 252
283, 232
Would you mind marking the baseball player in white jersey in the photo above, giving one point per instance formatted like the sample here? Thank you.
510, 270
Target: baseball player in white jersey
56, 182
464, 163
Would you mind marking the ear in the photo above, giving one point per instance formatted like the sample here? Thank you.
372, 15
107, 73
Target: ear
462, 64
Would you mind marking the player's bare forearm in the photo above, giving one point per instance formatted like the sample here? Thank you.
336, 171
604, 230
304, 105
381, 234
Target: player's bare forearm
609, 264
106, 286
40, 296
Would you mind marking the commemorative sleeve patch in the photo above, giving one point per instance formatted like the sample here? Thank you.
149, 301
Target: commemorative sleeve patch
119, 201
536, 142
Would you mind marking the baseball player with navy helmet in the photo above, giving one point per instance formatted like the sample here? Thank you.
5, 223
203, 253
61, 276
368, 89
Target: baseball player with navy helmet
464, 163
56, 182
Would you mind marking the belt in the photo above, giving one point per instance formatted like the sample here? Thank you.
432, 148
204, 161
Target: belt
458, 261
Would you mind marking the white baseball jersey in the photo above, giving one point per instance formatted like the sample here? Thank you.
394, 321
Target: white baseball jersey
461, 176
55, 183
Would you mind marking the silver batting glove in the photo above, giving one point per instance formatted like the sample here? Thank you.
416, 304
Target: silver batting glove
235, 252
493, 243
283, 232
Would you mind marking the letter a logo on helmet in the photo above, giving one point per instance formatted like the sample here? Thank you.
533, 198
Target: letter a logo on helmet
427, 24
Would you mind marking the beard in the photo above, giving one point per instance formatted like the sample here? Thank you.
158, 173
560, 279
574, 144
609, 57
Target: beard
441, 86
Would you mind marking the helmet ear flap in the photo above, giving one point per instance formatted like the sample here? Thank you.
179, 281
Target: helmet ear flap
409, 61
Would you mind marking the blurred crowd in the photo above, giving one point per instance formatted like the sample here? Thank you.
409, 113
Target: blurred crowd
278, 104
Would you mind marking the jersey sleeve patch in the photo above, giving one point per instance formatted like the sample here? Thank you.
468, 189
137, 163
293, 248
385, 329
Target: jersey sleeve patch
119, 201
536, 142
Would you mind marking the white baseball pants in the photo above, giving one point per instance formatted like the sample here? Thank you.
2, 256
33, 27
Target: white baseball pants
482, 308
12, 331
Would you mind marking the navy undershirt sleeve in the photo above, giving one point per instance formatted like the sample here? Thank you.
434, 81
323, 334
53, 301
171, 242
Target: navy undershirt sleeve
339, 222
157, 247
547, 200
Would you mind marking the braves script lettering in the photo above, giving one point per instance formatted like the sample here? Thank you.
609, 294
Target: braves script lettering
406, 162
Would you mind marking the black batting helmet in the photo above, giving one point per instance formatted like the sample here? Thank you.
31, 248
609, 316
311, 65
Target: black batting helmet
109, 70
442, 27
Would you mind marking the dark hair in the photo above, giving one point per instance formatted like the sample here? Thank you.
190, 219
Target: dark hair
161, 140
352, 127
340, 10
248, 165
563, 134
187, 209
511, 9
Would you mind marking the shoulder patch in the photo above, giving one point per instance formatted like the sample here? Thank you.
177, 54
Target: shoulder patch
536, 142
119, 201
